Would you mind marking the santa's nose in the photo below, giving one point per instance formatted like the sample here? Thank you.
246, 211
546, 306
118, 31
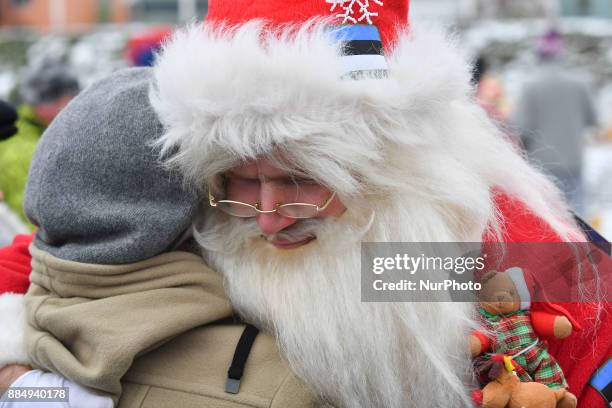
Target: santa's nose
272, 223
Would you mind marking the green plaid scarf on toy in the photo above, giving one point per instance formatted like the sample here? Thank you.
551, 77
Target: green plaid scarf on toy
513, 334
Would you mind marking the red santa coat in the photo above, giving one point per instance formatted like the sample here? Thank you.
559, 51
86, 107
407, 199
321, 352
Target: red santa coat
579, 355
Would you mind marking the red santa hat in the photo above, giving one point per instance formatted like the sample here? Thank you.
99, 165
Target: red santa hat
388, 16
262, 77
363, 26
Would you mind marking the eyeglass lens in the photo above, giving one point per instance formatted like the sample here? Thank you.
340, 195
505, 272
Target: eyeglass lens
298, 210
237, 209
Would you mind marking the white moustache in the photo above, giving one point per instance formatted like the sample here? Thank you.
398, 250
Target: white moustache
300, 231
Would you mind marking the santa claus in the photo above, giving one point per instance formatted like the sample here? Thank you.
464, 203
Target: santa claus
312, 127
309, 147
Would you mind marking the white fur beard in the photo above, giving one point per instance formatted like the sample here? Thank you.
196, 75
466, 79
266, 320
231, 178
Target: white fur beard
351, 353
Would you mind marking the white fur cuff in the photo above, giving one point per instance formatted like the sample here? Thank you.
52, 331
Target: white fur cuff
12, 330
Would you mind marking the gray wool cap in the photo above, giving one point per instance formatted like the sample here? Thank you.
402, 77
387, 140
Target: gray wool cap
96, 189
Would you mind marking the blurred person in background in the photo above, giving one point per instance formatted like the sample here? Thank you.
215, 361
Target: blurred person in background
10, 224
490, 92
46, 90
553, 114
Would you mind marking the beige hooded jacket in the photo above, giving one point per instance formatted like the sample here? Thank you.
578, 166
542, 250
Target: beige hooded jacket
156, 333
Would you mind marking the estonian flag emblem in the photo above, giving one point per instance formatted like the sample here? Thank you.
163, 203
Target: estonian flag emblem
362, 50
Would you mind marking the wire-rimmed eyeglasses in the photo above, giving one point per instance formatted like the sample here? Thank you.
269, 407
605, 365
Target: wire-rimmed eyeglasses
289, 210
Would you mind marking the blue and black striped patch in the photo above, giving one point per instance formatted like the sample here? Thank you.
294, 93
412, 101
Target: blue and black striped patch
362, 49
602, 381
359, 39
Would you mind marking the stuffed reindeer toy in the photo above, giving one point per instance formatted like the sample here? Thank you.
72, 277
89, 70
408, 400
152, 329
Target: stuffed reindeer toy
507, 390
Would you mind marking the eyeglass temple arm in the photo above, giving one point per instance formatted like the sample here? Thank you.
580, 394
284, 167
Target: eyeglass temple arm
326, 204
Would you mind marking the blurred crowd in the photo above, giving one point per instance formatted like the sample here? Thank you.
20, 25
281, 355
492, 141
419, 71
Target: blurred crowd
554, 121
46, 88
551, 120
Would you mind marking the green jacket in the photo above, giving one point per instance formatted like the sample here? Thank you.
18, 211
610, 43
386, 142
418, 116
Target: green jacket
15, 156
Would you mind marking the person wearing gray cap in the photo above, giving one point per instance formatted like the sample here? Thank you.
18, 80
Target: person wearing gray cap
112, 262
99, 197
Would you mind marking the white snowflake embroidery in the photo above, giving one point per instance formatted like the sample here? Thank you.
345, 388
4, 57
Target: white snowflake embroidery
348, 14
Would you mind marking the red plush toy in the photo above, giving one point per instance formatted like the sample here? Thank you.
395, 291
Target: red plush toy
505, 302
